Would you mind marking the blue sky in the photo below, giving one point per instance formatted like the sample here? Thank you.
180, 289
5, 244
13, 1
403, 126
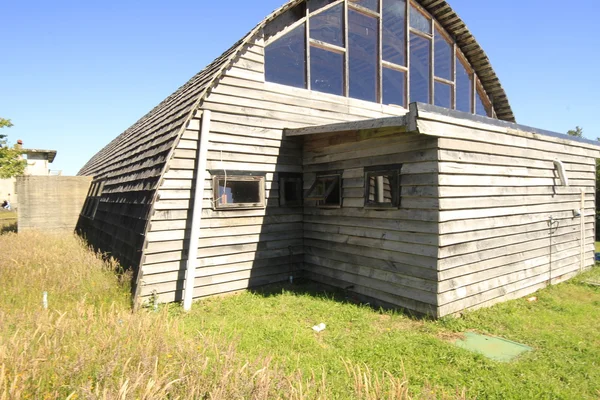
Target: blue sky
75, 74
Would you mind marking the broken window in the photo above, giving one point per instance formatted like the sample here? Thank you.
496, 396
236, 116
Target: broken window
290, 190
327, 190
382, 186
93, 199
238, 191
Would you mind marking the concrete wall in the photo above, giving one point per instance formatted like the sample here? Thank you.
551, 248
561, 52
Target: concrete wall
51, 203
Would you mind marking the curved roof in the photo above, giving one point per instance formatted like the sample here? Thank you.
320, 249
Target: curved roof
134, 162
190, 94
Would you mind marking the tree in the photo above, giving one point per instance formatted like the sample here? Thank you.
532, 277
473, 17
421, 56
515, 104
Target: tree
11, 163
577, 132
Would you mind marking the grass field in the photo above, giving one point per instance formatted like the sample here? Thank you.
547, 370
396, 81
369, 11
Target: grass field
89, 344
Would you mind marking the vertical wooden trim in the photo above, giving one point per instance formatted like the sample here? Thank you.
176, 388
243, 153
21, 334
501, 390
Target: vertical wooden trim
380, 54
307, 36
407, 45
454, 60
432, 63
192, 260
473, 92
582, 228
347, 56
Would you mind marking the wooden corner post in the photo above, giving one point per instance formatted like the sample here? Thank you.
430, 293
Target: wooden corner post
192, 260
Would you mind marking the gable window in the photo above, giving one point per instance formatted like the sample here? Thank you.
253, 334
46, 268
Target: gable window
285, 59
93, 199
238, 191
383, 51
327, 190
382, 186
363, 54
290, 190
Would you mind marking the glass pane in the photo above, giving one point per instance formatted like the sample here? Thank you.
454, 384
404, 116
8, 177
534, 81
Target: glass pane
362, 47
328, 26
443, 57
419, 21
285, 59
443, 95
394, 31
370, 4
420, 67
314, 5
480, 106
235, 192
326, 71
394, 84
464, 87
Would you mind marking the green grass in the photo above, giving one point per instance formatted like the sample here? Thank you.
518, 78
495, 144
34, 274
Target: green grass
261, 345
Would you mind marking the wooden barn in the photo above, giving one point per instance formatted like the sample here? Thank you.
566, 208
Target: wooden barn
363, 144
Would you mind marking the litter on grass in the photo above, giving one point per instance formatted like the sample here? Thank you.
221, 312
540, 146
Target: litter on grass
319, 328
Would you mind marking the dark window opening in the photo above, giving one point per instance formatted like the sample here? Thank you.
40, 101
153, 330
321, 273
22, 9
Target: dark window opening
238, 191
285, 59
382, 186
93, 199
290, 190
326, 190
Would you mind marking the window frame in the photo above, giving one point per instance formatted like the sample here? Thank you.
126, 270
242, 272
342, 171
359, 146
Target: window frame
321, 199
382, 170
411, 6
92, 201
218, 206
297, 178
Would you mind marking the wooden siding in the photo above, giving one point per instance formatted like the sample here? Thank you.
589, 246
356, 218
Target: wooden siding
240, 248
386, 256
497, 193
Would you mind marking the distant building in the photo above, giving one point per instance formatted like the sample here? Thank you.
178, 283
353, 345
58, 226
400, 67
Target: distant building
37, 165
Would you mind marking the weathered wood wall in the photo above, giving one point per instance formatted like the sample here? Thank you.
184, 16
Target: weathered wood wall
240, 248
498, 193
388, 255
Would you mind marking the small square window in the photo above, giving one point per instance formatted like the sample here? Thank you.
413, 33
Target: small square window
327, 190
290, 190
382, 186
238, 192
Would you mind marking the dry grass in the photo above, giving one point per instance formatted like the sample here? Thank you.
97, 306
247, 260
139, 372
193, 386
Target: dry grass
88, 344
